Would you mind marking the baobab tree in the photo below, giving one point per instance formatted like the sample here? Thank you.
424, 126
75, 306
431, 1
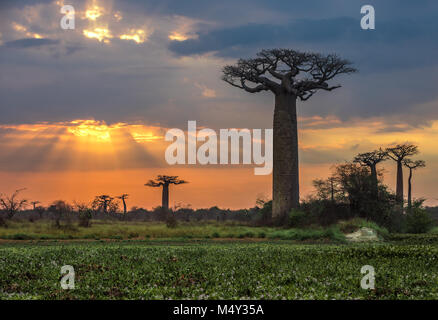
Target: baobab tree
34, 203
371, 159
123, 197
103, 202
398, 154
11, 204
289, 75
165, 181
412, 165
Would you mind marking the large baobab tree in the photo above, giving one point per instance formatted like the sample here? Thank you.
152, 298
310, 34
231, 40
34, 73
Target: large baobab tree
412, 165
289, 75
123, 197
398, 154
371, 159
12, 204
165, 181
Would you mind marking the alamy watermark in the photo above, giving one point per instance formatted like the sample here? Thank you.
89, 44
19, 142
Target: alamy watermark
368, 280
68, 277
369, 18
207, 153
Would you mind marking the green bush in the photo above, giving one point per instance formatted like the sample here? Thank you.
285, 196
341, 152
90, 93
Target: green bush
297, 218
418, 220
85, 215
171, 221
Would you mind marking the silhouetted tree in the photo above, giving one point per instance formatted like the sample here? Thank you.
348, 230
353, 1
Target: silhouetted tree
59, 208
85, 214
412, 165
103, 203
40, 210
289, 75
371, 159
34, 203
398, 154
11, 204
123, 197
165, 181
328, 189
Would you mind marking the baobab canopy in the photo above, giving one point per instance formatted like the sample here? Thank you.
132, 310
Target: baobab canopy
299, 73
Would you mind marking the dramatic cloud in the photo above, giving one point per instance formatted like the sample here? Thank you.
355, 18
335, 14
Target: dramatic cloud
31, 42
157, 64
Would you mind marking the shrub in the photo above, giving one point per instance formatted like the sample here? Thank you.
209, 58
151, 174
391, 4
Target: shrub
85, 216
418, 220
171, 221
297, 218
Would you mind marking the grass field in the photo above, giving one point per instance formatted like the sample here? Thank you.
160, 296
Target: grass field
118, 230
209, 269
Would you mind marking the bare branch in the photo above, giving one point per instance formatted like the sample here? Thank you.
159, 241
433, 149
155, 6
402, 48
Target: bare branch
285, 65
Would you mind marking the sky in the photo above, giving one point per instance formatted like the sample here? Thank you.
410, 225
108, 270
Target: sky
84, 112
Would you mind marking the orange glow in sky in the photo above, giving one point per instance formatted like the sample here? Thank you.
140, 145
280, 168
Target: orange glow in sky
80, 159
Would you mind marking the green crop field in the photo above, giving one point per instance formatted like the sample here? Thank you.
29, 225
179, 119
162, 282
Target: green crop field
216, 270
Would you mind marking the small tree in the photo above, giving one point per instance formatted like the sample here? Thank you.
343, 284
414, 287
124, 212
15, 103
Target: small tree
398, 154
85, 214
412, 165
40, 210
328, 189
164, 182
123, 197
12, 204
34, 203
59, 208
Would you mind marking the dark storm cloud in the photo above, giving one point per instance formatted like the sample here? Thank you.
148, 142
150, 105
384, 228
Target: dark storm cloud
30, 42
329, 34
122, 81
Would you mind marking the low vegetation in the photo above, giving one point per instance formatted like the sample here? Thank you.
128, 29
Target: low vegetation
206, 270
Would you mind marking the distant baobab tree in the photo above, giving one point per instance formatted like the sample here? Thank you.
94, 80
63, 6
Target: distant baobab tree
412, 165
11, 204
371, 159
103, 202
165, 181
34, 203
123, 197
289, 75
398, 154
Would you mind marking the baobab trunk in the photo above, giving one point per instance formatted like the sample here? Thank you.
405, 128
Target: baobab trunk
285, 194
124, 207
410, 190
374, 179
399, 189
165, 197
